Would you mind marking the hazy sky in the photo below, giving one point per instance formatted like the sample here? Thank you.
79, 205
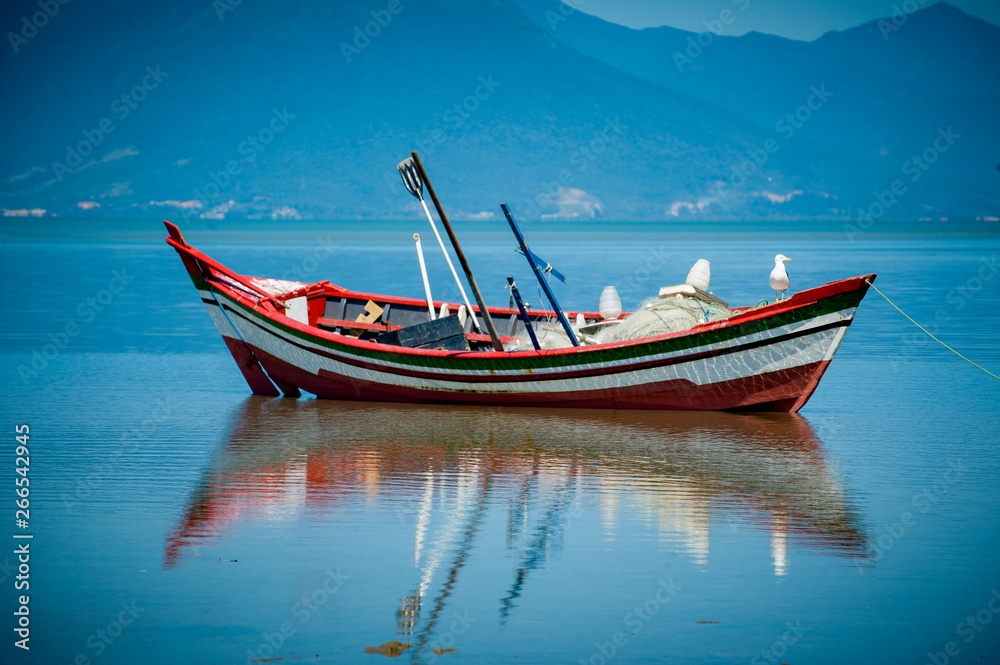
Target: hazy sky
798, 19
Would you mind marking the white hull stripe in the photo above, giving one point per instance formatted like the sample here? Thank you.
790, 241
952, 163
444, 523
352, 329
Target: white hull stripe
842, 317
803, 343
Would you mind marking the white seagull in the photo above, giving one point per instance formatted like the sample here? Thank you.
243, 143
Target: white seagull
779, 278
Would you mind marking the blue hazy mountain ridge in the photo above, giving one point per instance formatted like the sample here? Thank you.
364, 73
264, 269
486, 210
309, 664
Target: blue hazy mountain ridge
893, 82
257, 110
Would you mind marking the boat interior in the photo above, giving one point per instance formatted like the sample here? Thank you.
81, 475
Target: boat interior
407, 322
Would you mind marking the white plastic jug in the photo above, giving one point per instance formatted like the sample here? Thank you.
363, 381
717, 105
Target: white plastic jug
700, 275
610, 305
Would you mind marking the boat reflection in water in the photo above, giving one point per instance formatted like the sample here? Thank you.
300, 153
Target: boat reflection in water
677, 473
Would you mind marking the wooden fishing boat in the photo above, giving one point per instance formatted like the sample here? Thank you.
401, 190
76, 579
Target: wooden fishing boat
288, 337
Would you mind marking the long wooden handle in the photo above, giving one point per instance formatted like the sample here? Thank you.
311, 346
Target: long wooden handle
490, 328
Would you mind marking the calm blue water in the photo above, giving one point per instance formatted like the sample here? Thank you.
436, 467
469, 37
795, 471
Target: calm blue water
177, 519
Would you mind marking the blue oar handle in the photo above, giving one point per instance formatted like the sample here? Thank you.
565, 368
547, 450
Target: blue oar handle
538, 274
524, 313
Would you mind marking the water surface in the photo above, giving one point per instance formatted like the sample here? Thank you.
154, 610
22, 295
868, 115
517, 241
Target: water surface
176, 518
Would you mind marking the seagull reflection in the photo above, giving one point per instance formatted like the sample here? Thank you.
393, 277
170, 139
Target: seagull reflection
675, 472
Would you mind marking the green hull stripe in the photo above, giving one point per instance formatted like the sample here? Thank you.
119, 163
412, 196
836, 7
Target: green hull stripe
712, 337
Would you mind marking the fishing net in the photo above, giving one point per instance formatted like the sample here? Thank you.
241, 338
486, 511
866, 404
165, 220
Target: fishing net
654, 316
549, 336
659, 316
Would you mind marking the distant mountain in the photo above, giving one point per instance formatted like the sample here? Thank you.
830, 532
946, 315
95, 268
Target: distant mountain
940, 49
249, 109
894, 82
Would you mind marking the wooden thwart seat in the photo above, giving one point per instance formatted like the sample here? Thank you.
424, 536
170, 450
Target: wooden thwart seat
323, 322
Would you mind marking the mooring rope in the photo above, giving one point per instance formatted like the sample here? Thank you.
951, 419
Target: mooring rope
928, 332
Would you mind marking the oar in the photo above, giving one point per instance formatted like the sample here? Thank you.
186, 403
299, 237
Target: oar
422, 177
414, 184
538, 273
516, 295
423, 273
